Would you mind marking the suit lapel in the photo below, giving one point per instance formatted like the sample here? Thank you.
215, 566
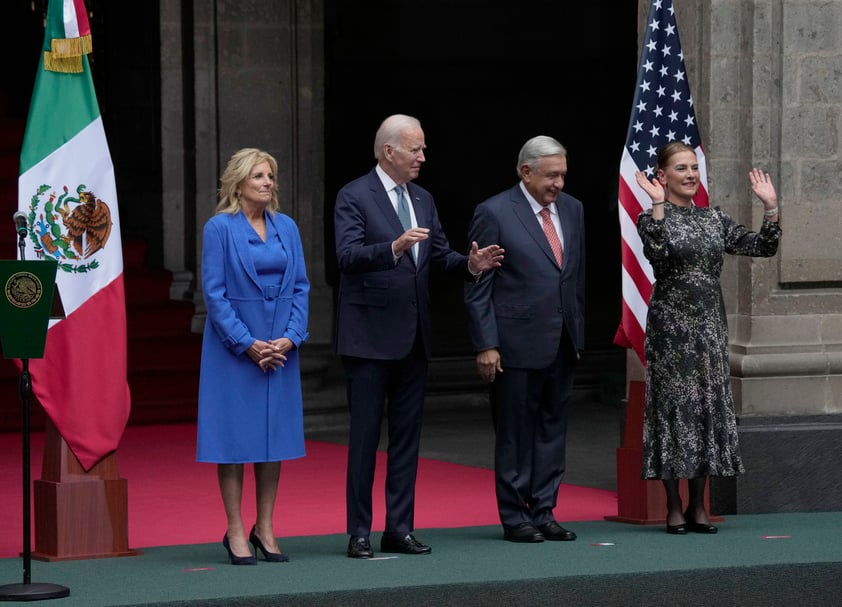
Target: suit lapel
530, 223
565, 221
384, 204
381, 199
423, 218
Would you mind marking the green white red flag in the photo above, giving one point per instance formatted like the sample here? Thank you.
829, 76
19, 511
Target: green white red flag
67, 191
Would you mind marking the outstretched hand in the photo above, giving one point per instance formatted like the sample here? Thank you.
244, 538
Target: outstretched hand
488, 258
762, 186
652, 187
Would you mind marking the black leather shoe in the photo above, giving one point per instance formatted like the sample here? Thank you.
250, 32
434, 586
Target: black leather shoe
701, 528
554, 531
359, 548
680, 529
403, 545
525, 532
695, 527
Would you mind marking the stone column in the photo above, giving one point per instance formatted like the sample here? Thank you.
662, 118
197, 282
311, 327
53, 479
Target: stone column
178, 253
256, 80
766, 80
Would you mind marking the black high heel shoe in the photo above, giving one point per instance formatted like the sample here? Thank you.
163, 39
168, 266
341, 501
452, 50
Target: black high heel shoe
272, 557
695, 527
237, 560
680, 529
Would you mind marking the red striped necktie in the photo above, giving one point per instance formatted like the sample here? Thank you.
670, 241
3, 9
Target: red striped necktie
551, 234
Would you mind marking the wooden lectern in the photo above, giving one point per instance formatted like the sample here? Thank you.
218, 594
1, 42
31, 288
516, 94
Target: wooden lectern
78, 514
25, 304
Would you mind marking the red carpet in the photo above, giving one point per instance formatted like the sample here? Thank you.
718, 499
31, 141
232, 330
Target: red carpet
174, 500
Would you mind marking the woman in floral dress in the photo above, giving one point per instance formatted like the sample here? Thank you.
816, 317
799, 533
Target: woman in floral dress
690, 428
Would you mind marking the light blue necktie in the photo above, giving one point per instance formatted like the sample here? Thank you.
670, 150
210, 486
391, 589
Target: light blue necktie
403, 213
403, 209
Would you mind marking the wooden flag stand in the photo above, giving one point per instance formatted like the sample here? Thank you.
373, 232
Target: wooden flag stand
641, 502
79, 514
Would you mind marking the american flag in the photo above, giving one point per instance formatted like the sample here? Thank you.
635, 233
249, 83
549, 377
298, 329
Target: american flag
662, 112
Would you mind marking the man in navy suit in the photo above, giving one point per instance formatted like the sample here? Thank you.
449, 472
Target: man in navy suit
526, 323
388, 236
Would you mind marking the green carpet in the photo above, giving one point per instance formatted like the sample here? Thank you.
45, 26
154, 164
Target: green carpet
772, 559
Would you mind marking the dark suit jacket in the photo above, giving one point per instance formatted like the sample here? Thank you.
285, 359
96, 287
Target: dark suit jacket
382, 305
521, 307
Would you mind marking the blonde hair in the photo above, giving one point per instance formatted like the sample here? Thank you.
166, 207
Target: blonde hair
238, 169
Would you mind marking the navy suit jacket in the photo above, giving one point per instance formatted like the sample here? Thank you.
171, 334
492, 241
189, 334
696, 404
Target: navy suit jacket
382, 305
521, 307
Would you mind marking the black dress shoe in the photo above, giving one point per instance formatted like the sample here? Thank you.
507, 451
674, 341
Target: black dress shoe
695, 527
701, 527
554, 531
680, 529
403, 545
359, 548
525, 532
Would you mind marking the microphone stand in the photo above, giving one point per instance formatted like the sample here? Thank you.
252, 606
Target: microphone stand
28, 591
22, 244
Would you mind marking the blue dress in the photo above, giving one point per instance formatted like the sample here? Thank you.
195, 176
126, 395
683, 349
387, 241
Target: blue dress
252, 290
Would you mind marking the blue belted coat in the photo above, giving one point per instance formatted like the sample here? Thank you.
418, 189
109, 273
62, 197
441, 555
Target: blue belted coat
246, 415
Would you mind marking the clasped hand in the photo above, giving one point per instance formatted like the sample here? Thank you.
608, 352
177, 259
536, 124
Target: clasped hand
269, 355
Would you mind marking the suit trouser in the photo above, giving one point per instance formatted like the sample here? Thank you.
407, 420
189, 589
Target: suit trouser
398, 387
530, 408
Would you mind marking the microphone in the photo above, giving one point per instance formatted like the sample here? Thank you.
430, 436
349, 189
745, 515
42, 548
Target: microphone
20, 223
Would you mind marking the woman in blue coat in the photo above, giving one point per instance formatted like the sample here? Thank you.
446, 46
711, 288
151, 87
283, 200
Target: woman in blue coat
256, 293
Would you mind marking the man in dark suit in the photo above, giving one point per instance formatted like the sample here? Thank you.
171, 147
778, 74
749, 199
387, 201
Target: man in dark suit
526, 324
388, 236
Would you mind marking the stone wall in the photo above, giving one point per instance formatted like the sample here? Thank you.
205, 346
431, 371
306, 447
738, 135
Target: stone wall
766, 78
254, 78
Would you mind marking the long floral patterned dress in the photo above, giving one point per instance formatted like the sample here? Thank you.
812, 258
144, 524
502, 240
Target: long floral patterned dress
689, 427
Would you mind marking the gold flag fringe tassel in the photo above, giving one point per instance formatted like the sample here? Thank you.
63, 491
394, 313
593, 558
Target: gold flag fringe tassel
66, 54
66, 65
71, 47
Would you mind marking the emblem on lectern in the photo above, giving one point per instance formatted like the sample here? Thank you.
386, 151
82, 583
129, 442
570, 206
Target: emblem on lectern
23, 289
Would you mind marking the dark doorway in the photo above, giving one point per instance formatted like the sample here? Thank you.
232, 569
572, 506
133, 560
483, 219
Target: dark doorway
483, 78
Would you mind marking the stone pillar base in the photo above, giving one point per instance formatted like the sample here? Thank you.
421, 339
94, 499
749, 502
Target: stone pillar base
792, 465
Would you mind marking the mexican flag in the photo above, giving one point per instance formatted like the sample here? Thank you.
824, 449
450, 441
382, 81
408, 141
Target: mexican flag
67, 191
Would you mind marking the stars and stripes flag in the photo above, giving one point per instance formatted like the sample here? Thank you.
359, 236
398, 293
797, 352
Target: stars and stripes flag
67, 191
662, 112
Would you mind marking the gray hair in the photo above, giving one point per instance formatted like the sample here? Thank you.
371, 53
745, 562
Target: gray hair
537, 148
390, 131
